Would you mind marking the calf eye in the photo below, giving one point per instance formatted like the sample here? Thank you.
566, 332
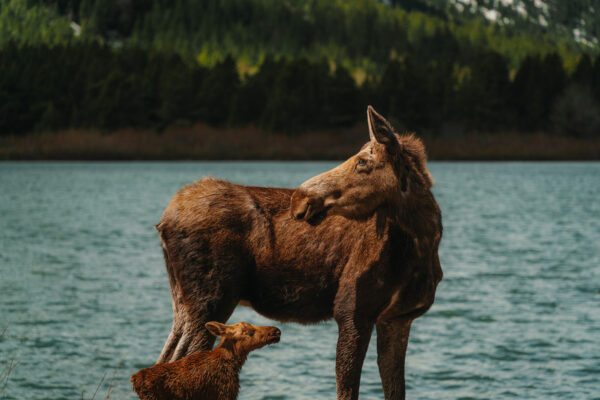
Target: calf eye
361, 162
250, 333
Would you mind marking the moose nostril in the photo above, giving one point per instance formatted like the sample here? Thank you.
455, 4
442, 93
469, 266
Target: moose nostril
300, 214
277, 332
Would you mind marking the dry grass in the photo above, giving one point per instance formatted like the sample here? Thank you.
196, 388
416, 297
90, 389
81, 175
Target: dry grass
513, 146
7, 369
206, 143
110, 389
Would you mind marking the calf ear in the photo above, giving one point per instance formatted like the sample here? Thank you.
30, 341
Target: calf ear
381, 131
216, 328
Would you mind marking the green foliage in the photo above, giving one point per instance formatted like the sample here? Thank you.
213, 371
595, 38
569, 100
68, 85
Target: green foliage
576, 113
341, 31
415, 95
482, 99
282, 65
537, 84
91, 85
32, 25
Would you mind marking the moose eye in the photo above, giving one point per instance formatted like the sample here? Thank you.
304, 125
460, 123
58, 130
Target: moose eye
361, 162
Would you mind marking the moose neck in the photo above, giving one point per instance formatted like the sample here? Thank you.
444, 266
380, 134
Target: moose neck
418, 216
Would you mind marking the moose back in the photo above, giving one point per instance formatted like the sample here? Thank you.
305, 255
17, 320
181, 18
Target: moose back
358, 243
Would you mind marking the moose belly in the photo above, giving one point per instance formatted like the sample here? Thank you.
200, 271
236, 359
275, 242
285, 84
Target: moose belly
290, 295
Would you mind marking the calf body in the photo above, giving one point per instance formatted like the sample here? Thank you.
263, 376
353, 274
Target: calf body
357, 244
206, 375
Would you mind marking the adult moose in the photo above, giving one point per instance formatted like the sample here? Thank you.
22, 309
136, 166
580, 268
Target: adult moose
357, 243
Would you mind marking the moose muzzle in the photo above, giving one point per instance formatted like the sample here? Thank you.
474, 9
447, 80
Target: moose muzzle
304, 206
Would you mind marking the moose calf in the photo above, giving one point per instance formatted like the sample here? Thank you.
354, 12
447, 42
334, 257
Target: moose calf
209, 374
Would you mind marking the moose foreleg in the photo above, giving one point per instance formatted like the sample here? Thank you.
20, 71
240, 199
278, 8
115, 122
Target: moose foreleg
392, 339
352, 345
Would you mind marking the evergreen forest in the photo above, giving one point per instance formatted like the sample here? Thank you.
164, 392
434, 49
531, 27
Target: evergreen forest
292, 66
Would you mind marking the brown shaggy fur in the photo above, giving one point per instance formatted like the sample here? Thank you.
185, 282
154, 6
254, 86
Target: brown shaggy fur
208, 375
358, 244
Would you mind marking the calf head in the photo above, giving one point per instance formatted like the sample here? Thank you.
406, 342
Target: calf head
388, 170
245, 336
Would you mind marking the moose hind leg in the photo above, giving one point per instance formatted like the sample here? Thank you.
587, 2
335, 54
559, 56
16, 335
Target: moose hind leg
392, 340
188, 334
177, 327
170, 345
210, 289
195, 337
206, 272
175, 339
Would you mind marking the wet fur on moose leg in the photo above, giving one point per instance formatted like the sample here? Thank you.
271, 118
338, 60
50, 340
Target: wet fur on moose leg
357, 243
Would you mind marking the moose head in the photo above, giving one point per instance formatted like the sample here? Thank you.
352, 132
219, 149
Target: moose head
389, 170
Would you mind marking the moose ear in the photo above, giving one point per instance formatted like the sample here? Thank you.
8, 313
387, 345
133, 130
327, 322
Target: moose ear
216, 328
381, 131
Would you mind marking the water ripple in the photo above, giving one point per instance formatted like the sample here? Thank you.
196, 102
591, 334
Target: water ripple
517, 315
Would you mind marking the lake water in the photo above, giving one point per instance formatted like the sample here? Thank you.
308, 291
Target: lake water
83, 287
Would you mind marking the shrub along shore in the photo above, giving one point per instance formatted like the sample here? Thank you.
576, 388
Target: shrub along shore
203, 142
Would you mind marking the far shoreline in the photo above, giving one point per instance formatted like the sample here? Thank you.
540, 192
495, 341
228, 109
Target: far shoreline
203, 143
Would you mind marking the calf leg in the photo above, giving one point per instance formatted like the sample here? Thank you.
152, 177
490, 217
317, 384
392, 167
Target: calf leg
392, 339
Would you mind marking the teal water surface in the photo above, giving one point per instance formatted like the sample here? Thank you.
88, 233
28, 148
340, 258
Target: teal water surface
83, 287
